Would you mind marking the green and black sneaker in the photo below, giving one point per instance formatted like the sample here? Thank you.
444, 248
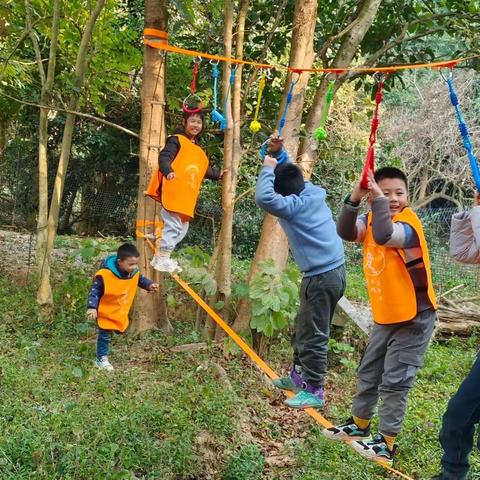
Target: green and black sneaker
375, 449
348, 431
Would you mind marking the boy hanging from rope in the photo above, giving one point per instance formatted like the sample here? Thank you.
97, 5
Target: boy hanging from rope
318, 251
397, 270
182, 166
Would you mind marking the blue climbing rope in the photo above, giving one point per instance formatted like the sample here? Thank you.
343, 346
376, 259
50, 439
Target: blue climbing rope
216, 115
462, 126
283, 119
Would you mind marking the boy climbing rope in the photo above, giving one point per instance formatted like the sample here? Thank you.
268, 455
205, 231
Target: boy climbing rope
182, 165
463, 411
318, 251
397, 270
111, 296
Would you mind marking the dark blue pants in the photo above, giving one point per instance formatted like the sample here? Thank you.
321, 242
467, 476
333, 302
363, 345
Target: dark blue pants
458, 428
103, 342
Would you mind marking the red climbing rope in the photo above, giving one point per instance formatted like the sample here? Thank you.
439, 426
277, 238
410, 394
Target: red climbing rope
370, 158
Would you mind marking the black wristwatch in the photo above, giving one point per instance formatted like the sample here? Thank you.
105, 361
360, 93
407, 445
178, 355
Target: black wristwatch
348, 201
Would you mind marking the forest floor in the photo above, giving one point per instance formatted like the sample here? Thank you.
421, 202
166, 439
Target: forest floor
169, 414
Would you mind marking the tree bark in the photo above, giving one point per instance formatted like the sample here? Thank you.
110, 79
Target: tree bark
224, 260
150, 310
44, 294
47, 84
364, 18
273, 242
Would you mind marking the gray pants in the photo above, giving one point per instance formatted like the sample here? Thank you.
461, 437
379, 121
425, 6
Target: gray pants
319, 296
173, 231
391, 360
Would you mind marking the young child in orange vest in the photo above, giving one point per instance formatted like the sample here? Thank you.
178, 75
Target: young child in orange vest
397, 270
176, 184
111, 297
463, 411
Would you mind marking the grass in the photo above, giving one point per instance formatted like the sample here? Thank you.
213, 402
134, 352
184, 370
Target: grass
165, 415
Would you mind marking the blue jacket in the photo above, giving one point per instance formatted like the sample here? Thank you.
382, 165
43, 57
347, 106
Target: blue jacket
307, 221
97, 290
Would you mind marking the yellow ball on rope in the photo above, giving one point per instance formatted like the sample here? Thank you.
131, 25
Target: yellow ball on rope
255, 126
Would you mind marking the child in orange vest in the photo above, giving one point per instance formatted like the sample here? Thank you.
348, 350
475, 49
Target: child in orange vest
111, 296
397, 270
176, 184
463, 411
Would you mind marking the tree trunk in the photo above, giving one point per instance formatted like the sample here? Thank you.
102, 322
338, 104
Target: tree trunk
44, 294
150, 310
364, 18
273, 243
223, 264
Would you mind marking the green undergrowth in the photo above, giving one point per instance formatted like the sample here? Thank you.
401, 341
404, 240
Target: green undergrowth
166, 415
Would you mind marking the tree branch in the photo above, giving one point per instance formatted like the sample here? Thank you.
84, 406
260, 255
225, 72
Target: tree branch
406, 27
253, 73
36, 46
80, 114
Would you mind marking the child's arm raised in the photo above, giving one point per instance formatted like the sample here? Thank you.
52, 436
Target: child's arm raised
349, 226
269, 200
465, 234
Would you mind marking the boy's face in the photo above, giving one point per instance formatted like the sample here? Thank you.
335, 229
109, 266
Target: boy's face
193, 125
396, 192
128, 264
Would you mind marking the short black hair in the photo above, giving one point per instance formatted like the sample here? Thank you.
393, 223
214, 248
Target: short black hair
288, 179
127, 250
390, 172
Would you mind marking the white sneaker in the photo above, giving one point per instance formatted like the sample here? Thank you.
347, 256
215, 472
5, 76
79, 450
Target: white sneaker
104, 364
165, 264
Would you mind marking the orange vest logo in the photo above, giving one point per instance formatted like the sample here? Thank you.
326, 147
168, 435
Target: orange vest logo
390, 286
180, 194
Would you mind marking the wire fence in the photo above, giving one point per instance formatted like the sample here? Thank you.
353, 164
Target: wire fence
92, 212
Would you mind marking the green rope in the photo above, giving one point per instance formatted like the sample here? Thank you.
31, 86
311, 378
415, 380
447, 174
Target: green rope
320, 132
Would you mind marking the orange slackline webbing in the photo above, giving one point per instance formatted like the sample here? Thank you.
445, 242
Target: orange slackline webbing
159, 40
259, 362
145, 223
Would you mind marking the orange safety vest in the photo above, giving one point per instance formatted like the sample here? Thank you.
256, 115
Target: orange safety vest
390, 287
116, 301
180, 194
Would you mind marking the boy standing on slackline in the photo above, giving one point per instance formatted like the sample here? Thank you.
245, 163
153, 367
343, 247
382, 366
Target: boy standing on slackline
463, 411
397, 270
318, 251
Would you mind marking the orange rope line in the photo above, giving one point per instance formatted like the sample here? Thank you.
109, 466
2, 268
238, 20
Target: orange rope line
259, 361
162, 45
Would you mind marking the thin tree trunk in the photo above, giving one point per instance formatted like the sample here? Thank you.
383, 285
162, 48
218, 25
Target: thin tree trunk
150, 310
364, 18
273, 243
47, 84
44, 294
223, 265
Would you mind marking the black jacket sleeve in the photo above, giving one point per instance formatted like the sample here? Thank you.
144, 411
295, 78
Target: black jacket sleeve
213, 173
168, 154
